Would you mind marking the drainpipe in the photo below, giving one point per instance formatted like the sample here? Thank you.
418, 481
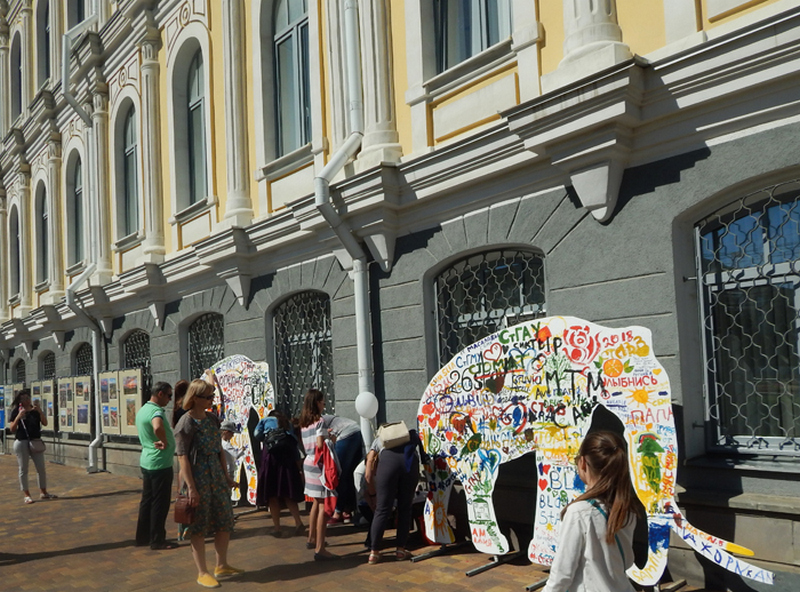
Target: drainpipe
72, 302
322, 194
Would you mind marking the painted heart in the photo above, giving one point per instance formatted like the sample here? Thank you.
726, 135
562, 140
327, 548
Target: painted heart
542, 484
545, 469
493, 353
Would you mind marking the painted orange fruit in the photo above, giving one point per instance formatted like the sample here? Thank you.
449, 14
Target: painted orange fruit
612, 368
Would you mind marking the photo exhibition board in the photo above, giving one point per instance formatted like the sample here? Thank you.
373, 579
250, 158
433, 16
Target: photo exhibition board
536, 387
125, 400
82, 404
66, 405
241, 385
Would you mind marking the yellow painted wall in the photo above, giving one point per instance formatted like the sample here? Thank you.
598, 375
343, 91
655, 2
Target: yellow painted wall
402, 110
551, 15
746, 8
642, 24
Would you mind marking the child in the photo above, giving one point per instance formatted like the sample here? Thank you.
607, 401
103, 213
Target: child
232, 454
595, 547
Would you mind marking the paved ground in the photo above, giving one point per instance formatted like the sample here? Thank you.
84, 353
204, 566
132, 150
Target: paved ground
84, 541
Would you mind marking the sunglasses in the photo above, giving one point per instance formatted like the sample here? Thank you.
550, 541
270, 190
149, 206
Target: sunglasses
205, 396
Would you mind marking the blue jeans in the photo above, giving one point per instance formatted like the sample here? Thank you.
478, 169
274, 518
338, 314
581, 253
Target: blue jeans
350, 451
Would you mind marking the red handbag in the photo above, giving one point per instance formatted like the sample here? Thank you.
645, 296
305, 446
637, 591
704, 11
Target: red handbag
184, 513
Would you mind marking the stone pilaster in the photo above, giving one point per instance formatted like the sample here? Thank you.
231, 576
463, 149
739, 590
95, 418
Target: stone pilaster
5, 80
55, 207
26, 55
100, 202
25, 243
381, 141
238, 205
4, 263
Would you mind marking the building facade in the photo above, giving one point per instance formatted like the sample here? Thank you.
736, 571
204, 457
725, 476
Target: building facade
354, 191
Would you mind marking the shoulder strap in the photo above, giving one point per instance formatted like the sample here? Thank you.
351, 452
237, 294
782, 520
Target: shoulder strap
600, 509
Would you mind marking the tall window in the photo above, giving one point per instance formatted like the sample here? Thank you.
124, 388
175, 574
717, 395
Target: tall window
16, 77
483, 293
291, 75
43, 40
136, 354
129, 221
464, 28
47, 366
750, 289
303, 350
77, 212
19, 372
76, 12
16, 253
84, 360
196, 130
206, 343
42, 237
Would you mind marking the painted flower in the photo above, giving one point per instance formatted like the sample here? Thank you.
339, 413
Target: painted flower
580, 345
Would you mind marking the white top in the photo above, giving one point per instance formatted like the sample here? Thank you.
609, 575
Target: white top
232, 456
584, 561
341, 427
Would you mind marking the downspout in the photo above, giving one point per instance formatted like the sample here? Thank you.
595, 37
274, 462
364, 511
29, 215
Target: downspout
322, 194
72, 302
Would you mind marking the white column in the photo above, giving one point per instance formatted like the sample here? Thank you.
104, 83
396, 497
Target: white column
25, 243
26, 55
101, 233
5, 81
592, 42
153, 247
381, 141
54, 205
238, 205
56, 32
4, 262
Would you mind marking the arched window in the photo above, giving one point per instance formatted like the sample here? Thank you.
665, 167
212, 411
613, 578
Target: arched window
76, 214
291, 75
129, 172
84, 360
465, 28
485, 292
206, 343
16, 78
42, 222
19, 371
15, 252
43, 41
196, 130
303, 350
750, 270
136, 354
47, 366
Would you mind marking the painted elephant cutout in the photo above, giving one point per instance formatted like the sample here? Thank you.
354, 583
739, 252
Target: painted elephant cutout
535, 387
242, 385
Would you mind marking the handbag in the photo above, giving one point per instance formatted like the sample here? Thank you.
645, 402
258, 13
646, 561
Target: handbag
394, 434
184, 513
35, 446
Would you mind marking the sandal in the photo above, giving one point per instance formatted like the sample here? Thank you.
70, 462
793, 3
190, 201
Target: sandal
374, 557
48, 496
276, 533
28, 499
403, 555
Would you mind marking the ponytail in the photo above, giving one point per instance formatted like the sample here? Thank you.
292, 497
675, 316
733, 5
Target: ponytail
606, 456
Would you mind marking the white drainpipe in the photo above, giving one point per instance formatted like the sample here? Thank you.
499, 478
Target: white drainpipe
322, 194
72, 302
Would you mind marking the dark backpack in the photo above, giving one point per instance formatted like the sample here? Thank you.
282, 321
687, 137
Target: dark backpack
276, 437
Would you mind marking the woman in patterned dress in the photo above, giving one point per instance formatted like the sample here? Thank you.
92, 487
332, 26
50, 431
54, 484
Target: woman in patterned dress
313, 433
203, 471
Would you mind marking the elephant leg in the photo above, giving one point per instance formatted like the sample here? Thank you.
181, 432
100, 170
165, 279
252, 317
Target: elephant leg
478, 480
440, 482
556, 485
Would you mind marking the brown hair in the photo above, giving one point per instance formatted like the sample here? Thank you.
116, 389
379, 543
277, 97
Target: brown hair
310, 413
197, 387
607, 458
283, 421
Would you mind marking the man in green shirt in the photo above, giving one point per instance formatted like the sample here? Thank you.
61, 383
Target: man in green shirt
158, 449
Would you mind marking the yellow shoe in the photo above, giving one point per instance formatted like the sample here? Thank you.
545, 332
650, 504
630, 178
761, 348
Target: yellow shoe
207, 581
227, 570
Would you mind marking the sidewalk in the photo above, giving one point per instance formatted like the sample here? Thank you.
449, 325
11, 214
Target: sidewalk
84, 541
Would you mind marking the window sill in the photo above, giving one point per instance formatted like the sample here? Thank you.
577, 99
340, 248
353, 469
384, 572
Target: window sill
497, 55
194, 210
14, 300
42, 286
75, 268
128, 242
752, 462
286, 163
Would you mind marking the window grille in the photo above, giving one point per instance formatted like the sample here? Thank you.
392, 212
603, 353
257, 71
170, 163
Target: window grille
750, 297
464, 28
48, 368
206, 343
84, 360
303, 351
136, 354
19, 371
483, 293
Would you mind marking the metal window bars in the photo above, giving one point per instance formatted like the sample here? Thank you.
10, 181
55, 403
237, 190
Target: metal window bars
749, 269
136, 354
303, 351
485, 292
84, 360
19, 371
206, 343
48, 366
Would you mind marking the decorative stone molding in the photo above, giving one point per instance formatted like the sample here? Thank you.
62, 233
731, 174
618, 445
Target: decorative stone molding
229, 254
189, 12
147, 282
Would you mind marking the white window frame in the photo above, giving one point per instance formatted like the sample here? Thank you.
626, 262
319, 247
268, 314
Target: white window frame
75, 237
43, 225
125, 102
15, 270
16, 77
44, 30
